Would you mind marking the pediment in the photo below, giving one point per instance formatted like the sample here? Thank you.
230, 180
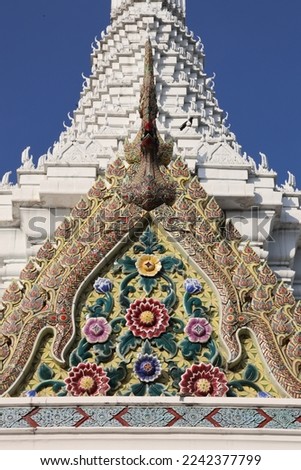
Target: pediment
220, 154
180, 262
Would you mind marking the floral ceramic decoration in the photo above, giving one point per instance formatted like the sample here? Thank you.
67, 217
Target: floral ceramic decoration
193, 286
158, 345
198, 330
87, 379
147, 368
202, 380
97, 330
147, 318
103, 285
148, 265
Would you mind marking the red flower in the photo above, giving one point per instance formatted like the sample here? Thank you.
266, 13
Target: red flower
87, 379
147, 318
202, 380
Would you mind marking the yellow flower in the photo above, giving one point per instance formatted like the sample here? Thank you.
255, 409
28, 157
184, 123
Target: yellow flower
148, 265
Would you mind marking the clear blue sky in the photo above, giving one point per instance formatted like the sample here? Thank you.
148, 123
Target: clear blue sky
252, 45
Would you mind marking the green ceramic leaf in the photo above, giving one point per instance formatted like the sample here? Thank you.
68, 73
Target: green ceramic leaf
194, 306
218, 361
238, 384
175, 372
190, 351
57, 386
251, 373
125, 290
139, 390
147, 349
117, 375
167, 343
170, 288
74, 359
98, 309
83, 349
213, 354
177, 325
45, 372
117, 324
148, 243
148, 284
156, 390
47, 384
172, 264
231, 393
126, 264
128, 342
103, 351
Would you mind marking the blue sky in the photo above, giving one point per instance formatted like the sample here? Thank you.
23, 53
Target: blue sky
253, 46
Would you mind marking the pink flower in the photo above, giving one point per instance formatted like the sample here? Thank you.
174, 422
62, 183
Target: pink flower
97, 330
87, 379
202, 380
198, 330
147, 318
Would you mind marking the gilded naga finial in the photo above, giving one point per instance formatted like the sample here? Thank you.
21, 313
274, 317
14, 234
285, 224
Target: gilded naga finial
150, 186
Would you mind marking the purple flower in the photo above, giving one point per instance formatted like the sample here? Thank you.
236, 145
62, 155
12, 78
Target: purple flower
193, 286
147, 368
97, 330
198, 330
103, 285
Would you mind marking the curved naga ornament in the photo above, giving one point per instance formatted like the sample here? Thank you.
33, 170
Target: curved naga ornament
251, 301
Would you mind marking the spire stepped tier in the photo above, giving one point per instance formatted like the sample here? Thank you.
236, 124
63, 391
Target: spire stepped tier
108, 102
107, 116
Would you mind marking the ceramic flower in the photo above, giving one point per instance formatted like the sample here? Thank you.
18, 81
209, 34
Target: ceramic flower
263, 395
97, 330
147, 368
87, 379
198, 330
193, 286
148, 265
202, 380
147, 318
103, 285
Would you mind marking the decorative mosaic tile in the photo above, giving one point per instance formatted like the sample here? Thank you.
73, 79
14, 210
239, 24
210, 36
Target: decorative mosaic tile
193, 416
56, 417
237, 418
150, 417
147, 417
101, 417
285, 418
12, 417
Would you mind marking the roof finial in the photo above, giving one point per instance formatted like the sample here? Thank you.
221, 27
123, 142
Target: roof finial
148, 107
149, 187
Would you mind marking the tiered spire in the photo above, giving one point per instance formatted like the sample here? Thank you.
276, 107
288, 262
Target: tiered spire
177, 6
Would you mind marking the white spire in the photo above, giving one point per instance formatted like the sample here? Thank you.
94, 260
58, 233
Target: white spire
181, 4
